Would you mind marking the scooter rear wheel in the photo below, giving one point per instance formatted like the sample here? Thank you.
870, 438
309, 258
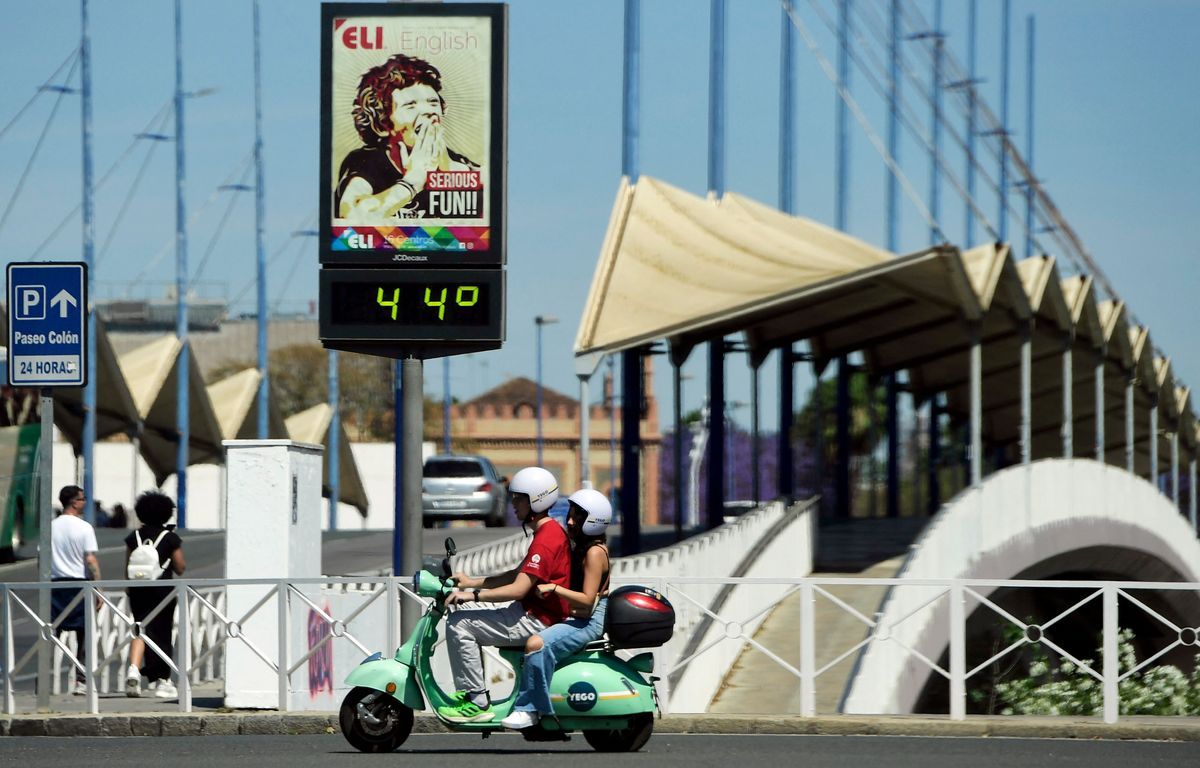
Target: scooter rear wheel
385, 726
629, 739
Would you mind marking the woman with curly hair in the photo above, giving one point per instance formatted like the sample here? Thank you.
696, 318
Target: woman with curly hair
154, 510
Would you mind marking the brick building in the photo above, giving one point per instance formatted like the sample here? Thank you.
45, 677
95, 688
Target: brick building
502, 425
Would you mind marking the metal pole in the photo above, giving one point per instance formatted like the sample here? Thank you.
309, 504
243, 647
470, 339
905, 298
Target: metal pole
841, 469
1099, 376
1003, 183
893, 439
935, 166
787, 138
1154, 440
787, 485
631, 418
1129, 454
1030, 182
1026, 398
335, 439
1175, 467
46, 517
787, 100
398, 520
410, 549
972, 16
1068, 413
841, 192
1192, 492
182, 412
446, 402
89, 257
1111, 668
976, 406
958, 652
612, 429
677, 407
893, 135
716, 187
261, 270
842, 149
631, 101
935, 445
755, 489
585, 417
539, 392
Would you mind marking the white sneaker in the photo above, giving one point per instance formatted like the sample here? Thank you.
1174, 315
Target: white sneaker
133, 682
80, 688
519, 721
166, 690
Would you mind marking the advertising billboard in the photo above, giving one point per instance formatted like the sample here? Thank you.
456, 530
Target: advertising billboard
412, 136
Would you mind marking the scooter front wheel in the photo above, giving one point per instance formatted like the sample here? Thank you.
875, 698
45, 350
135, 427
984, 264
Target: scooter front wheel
628, 739
373, 721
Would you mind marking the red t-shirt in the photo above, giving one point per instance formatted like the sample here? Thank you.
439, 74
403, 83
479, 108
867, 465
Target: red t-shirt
548, 560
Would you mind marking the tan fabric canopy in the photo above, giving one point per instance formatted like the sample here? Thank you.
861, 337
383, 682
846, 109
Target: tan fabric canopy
673, 262
235, 403
312, 426
688, 269
151, 372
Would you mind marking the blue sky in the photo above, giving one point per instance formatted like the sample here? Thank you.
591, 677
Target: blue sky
1115, 145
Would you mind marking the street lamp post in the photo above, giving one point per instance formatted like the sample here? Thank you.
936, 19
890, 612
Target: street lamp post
539, 321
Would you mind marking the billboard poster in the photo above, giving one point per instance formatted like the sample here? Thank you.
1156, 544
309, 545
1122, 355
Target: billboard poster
413, 136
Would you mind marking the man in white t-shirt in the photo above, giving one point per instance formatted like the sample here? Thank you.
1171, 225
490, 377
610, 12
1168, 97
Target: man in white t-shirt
73, 549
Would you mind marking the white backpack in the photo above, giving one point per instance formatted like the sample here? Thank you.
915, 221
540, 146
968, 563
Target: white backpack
143, 561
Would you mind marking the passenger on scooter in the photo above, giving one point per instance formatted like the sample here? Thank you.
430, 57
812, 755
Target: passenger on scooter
547, 563
588, 519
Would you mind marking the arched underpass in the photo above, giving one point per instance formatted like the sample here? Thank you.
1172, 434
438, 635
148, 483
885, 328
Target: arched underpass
1055, 519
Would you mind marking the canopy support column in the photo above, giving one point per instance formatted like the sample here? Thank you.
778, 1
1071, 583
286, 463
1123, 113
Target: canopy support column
715, 481
1068, 412
1175, 467
842, 469
1154, 440
1100, 404
1129, 462
786, 481
1026, 397
935, 445
631, 439
893, 444
976, 406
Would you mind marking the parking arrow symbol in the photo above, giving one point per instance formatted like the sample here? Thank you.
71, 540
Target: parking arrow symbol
61, 300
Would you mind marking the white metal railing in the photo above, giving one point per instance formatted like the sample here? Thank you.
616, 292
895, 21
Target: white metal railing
730, 629
1016, 519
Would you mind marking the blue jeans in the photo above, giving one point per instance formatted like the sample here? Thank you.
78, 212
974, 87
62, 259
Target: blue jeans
560, 642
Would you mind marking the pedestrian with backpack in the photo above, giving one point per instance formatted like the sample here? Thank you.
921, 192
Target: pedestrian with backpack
154, 554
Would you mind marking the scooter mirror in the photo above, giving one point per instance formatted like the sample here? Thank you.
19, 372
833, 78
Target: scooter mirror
451, 550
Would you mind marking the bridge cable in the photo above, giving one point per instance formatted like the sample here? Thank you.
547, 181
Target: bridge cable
16, 195
66, 219
39, 91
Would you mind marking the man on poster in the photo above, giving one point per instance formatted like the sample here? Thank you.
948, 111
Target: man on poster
405, 170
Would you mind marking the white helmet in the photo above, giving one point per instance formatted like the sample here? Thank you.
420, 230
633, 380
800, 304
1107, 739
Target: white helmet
599, 511
538, 484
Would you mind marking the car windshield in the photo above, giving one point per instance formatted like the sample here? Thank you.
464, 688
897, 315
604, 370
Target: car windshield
453, 468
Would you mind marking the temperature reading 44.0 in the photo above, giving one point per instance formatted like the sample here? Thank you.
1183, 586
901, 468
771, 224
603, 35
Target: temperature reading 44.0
464, 296
411, 303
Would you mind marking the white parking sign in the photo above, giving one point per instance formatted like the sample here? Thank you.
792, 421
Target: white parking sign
47, 328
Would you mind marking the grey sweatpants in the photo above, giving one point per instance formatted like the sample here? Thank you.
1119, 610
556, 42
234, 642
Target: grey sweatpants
475, 624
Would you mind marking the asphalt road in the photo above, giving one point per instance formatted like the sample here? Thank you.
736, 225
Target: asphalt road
342, 552
663, 751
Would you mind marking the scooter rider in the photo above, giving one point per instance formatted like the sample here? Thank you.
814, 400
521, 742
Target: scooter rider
587, 523
534, 491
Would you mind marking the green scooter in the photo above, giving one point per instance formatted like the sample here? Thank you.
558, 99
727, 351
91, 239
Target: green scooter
611, 700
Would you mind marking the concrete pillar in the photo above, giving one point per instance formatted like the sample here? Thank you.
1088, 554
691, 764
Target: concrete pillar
1100, 404
1154, 441
1068, 404
1129, 454
273, 531
1026, 399
976, 406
